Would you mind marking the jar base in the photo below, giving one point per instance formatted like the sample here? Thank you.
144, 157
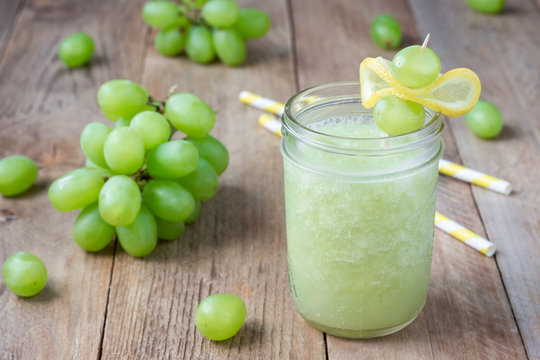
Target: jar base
359, 334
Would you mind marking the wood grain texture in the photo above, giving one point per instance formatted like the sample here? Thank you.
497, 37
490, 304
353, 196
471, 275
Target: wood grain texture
457, 321
9, 11
44, 107
237, 245
505, 51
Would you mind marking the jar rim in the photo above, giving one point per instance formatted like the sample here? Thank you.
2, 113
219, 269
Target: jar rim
431, 129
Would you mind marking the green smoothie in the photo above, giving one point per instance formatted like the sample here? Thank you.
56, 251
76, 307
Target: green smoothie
359, 247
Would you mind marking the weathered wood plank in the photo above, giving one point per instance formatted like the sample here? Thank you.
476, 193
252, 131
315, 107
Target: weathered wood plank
44, 107
467, 312
504, 50
9, 10
238, 244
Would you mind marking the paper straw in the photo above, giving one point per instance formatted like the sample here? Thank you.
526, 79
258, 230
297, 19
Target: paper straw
465, 235
262, 103
445, 167
474, 177
270, 123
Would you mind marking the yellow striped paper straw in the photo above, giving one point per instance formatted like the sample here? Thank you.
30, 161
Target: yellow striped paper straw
474, 177
270, 123
262, 103
465, 235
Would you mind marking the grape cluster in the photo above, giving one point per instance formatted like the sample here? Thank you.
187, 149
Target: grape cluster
138, 183
205, 29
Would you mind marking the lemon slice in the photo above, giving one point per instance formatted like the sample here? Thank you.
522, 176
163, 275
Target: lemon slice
453, 93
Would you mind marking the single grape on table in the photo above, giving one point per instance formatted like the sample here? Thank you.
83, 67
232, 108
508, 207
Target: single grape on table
17, 174
386, 32
486, 6
138, 183
485, 120
76, 49
24, 274
220, 316
205, 29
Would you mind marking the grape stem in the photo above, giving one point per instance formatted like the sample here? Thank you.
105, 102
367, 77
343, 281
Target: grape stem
160, 105
426, 40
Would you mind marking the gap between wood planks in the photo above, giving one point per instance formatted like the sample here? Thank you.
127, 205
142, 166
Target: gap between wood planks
101, 340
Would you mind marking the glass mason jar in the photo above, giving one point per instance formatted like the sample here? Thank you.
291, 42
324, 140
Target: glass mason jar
360, 209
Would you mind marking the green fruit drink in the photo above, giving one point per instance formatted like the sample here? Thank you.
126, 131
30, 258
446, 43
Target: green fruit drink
360, 209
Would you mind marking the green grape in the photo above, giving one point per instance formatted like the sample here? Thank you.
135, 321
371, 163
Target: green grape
170, 42
190, 114
199, 46
172, 160
119, 200
252, 23
168, 230
140, 237
168, 200
92, 141
153, 128
386, 32
230, 46
485, 120
213, 151
90, 231
220, 13
220, 316
17, 174
124, 150
201, 183
122, 98
416, 67
163, 14
121, 122
76, 49
76, 189
195, 214
24, 274
396, 116
486, 6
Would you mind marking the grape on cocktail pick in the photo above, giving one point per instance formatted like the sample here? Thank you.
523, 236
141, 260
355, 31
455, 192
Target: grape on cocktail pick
17, 174
24, 274
220, 316
416, 66
396, 116
485, 120
386, 32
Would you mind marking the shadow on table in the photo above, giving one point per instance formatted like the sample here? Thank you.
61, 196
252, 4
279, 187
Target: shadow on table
234, 216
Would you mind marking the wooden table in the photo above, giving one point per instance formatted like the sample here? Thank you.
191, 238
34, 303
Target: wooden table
110, 305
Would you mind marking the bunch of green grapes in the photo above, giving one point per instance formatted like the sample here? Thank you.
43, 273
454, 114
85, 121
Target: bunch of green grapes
138, 183
205, 29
